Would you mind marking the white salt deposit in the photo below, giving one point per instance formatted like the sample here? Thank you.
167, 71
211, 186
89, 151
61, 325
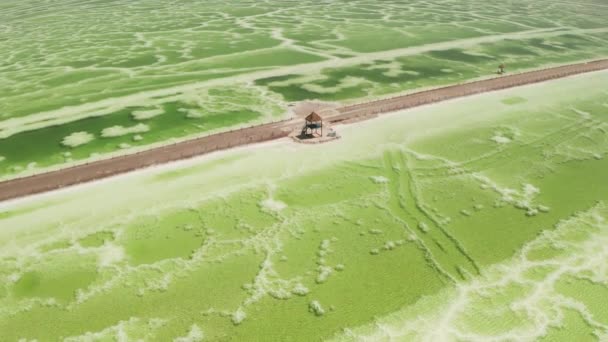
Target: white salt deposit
499, 139
137, 137
300, 290
273, 205
194, 114
325, 244
316, 308
239, 316
324, 273
530, 190
117, 131
532, 212
194, 335
14, 277
379, 179
389, 245
77, 139
110, 254
583, 114
280, 293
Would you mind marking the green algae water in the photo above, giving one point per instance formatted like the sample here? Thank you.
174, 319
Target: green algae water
85, 80
475, 219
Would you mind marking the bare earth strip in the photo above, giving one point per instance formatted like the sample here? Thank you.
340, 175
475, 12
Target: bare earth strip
100, 169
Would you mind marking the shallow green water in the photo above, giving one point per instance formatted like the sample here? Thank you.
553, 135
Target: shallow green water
73, 69
484, 216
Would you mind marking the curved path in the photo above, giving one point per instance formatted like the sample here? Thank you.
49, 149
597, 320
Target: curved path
104, 168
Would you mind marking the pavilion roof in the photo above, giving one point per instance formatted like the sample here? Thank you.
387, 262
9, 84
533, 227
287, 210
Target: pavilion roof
314, 117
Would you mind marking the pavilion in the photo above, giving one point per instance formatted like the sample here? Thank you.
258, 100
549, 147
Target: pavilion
314, 124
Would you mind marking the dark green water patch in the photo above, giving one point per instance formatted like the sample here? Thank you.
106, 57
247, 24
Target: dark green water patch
43, 146
59, 284
266, 81
96, 239
57, 245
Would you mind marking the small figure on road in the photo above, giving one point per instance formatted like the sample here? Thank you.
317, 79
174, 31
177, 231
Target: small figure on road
501, 69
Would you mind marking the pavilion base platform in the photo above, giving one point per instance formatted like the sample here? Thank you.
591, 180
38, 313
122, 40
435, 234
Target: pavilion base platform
329, 134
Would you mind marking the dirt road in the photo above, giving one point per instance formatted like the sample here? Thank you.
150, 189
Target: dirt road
104, 168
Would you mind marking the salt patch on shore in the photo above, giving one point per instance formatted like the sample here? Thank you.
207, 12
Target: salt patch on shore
379, 179
117, 131
239, 316
273, 205
499, 139
77, 139
194, 335
110, 254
